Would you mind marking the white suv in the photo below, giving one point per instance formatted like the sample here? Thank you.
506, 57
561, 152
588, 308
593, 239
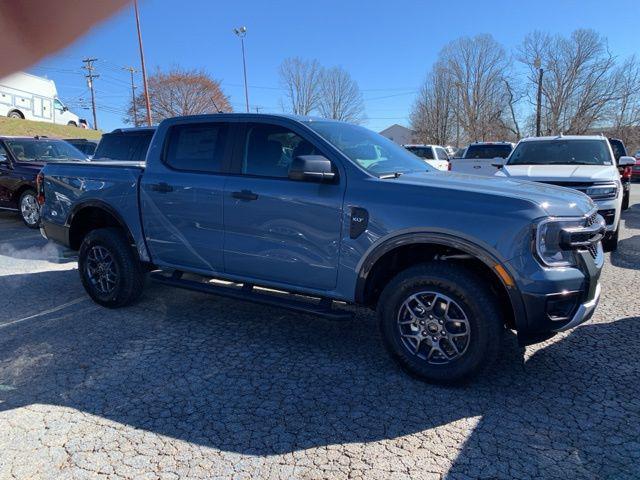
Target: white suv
585, 163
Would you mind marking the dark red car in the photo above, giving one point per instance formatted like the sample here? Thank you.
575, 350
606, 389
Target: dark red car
21, 158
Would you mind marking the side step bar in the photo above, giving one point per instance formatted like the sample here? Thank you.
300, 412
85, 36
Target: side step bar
248, 293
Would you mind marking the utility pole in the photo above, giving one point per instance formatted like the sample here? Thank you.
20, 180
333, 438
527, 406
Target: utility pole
144, 70
133, 96
458, 87
90, 76
241, 32
538, 65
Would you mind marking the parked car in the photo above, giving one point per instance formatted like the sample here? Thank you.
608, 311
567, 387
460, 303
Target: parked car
27, 96
88, 147
434, 155
480, 157
584, 163
21, 158
323, 211
635, 170
125, 144
619, 150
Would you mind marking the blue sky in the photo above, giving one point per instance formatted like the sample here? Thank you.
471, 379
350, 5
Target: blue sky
388, 47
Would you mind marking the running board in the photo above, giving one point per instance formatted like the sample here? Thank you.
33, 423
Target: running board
248, 293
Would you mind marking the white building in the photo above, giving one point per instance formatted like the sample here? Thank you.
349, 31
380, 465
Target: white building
399, 134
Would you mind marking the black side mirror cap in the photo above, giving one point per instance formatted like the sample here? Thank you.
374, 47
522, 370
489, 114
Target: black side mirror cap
312, 168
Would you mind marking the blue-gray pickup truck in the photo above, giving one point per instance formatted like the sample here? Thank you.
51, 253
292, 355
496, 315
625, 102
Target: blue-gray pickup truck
311, 214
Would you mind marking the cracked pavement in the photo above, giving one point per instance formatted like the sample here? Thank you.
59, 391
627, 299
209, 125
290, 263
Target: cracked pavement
185, 385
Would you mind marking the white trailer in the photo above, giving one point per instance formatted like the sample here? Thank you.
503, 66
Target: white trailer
27, 96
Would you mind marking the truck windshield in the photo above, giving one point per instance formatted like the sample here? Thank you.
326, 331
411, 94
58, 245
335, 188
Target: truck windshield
375, 153
42, 150
488, 151
561, 152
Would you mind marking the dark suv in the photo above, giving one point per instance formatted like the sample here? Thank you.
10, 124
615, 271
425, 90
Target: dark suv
619, 150
128, 144
21, 158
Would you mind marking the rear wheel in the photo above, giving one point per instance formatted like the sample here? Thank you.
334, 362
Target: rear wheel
109, 268
29, 209
14, 114
440, 322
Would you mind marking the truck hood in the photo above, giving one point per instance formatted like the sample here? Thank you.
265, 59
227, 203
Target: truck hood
555, 201
561, 173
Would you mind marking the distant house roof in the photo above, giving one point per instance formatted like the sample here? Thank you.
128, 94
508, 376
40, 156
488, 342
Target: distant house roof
396, 127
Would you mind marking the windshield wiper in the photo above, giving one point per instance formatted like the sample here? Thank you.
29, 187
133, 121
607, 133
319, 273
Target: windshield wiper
391, 175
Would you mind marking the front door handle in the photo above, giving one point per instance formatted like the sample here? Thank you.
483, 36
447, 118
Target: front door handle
246, 195
161, 187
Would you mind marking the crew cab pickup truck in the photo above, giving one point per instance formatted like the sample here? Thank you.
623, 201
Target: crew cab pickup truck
585, 163
311, 214
480, 158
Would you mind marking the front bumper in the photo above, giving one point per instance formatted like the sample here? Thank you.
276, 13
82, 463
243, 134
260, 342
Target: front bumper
558, 299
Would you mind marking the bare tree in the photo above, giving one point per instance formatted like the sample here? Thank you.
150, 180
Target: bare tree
181, 92
340, 97
579, 84
301, 81
433, 113
478, 66
625, 110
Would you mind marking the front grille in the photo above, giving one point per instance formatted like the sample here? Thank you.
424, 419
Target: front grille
592, 219
593, 250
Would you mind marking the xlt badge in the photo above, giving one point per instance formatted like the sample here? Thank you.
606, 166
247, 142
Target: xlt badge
359, 221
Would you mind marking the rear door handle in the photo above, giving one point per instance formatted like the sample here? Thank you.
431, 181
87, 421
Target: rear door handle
246, 195
161, 187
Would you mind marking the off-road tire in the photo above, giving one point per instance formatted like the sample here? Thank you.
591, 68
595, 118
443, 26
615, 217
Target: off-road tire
469, 291
129, 271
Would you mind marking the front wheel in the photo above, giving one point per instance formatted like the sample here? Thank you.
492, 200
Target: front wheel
72, 124
625, 200
109, 268
610, 242
29, 209
440, 322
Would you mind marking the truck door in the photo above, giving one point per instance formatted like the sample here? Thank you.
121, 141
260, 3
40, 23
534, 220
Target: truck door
277, 229
181, 198
5, 178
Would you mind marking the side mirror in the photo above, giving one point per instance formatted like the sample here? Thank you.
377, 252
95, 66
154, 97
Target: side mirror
311, 168
626, 161
498, 162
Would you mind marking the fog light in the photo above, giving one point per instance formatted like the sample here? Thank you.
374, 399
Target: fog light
562, 306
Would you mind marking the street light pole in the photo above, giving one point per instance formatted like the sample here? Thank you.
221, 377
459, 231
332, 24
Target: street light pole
144, 69
241, 32
538, 65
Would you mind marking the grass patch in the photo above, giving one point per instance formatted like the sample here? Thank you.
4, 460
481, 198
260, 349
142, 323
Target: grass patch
29, 128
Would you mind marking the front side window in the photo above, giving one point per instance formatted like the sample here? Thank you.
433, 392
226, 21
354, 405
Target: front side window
269, 150
197, 147
40, 150
57, 104
371, 151
561, 152
422, 152
3, 154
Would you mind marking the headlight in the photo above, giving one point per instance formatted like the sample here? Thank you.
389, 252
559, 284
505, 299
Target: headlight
609, 190
548, 241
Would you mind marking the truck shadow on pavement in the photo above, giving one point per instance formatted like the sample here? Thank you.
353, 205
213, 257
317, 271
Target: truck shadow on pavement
628, 253
261, 381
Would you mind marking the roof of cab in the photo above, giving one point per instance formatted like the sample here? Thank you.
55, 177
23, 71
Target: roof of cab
564, 137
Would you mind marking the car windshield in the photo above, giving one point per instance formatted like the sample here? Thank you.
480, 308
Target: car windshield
561, 152
488, 151
43, 150
374, 153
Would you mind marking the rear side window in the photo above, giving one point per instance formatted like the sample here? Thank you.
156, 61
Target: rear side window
618, 149
269, 150
123, 146
422, 152
197, 147
441, 153
488, 151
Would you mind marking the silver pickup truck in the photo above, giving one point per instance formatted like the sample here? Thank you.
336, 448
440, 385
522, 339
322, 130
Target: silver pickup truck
480, 158
311, 214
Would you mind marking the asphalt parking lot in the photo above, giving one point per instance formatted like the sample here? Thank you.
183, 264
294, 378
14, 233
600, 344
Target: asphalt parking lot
188, 385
